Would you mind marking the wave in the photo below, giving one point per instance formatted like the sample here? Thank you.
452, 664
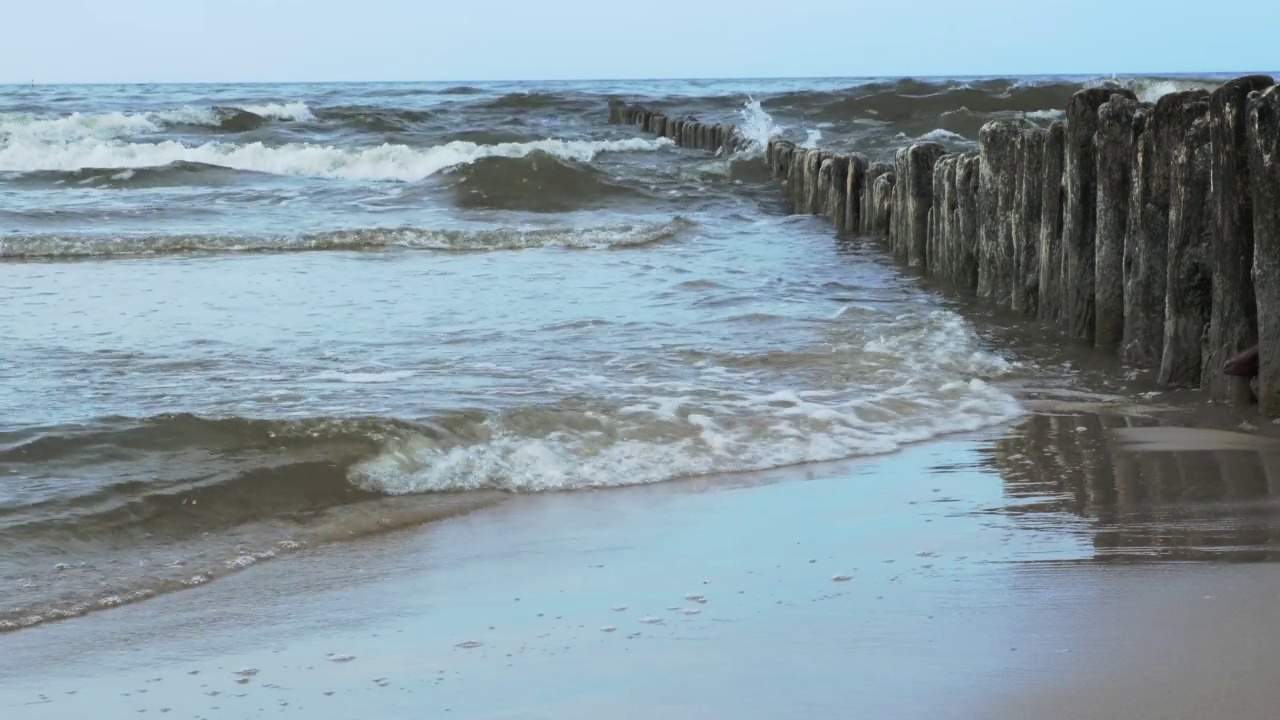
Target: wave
538, 182
1150, 89
222, 493
175, 174
385, 162
375, 118
52, 246
26, 128
526, 101
913, 99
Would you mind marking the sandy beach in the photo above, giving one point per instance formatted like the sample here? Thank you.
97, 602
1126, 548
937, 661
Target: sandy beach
901, 586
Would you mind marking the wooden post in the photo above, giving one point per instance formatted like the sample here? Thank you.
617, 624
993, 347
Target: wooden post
822, 193
1147, 239
882, 210
1113, 160
836, 203
1263, 122
898, 206
939, 256
1049, 249
855, 189
1028, 196
874, 172
796, 185
1079, 226
997, 182
1190, 269
918, 195
1234, 325
968, 174
812, 164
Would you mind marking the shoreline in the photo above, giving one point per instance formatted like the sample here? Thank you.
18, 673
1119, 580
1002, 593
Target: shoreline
904, 585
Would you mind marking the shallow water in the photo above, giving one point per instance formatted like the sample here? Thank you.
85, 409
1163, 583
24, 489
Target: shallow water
236, 320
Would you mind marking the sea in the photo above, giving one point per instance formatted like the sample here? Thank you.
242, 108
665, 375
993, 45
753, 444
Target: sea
237, 321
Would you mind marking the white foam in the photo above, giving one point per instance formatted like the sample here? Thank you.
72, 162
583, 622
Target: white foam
384, 162
918, 382
940, 135
294, 111
1049, 114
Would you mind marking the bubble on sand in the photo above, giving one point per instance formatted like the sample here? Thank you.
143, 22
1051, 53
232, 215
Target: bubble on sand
691, 611
696, 598
651, 620
247, 672
608, 628
469, 645
619, 608
842, 578
334, 657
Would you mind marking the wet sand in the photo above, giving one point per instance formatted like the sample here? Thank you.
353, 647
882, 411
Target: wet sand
1037, 571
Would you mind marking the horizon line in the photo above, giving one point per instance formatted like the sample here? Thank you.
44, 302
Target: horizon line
1197, 74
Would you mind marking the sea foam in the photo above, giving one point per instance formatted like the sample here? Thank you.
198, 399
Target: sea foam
926, 380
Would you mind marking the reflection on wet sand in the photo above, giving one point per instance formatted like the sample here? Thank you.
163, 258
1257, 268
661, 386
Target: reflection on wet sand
1139, 496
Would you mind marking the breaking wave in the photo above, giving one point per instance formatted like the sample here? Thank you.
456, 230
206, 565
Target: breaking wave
385, 162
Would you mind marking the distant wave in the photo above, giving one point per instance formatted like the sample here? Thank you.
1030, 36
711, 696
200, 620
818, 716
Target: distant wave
374, 118
174, 174
538, 182
526, 101
125, 245
384, 162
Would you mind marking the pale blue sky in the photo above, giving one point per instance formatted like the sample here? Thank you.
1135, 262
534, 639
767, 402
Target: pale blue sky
315, 40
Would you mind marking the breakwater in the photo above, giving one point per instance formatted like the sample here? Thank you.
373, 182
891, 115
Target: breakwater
1148, 228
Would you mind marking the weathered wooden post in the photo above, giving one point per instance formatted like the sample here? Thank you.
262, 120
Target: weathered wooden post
939, 255
1079, 225
882, 210
1147, 239
855, 189
898, 204
822, 194
1113, 160
812, 164
1263, 122
868, 211
968, 176
918, 195
998, 153
795, 173
617, 112
1028, 199
1190, 269
1234, 325
838, 198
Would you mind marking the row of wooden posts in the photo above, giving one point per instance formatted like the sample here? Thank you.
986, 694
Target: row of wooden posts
1149, 228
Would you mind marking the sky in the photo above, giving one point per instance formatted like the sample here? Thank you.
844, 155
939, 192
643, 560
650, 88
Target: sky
58, 41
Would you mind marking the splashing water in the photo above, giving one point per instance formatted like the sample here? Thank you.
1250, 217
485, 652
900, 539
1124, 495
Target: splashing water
758, 126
